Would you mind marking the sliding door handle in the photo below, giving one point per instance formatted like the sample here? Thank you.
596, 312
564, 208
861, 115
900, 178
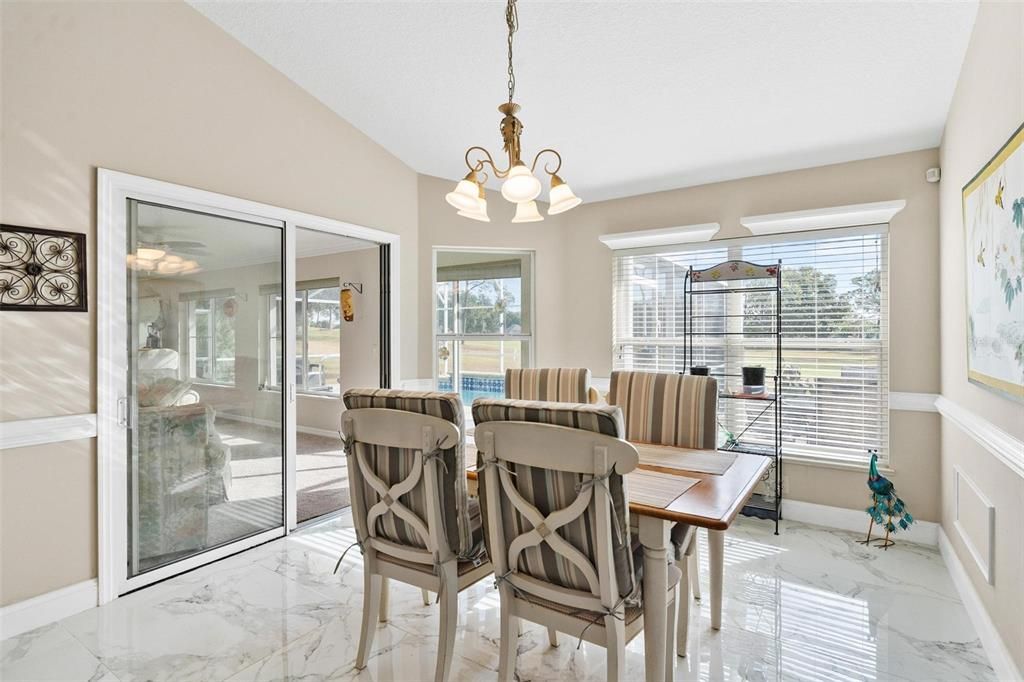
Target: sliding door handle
123, 413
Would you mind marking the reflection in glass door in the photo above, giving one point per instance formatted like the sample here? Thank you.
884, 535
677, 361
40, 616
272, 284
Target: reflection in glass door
205, 437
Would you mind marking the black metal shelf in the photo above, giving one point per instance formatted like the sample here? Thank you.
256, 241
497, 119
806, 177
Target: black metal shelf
753, 449
765, 398
738, 420
732, 290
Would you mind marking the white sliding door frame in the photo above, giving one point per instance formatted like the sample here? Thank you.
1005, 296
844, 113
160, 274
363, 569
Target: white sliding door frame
114, 190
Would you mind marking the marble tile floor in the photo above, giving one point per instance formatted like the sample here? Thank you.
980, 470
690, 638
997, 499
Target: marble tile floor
810, 604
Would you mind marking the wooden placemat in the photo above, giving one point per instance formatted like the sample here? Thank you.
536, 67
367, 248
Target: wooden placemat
702, 461
657, 489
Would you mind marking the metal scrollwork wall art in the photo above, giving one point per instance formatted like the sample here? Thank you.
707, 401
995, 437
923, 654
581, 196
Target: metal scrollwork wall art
42, 269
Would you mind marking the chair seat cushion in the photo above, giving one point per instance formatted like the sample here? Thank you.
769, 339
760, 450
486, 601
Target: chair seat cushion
682, 535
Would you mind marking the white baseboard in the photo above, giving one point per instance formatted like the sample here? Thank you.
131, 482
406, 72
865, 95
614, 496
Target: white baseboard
998, 653
326, 433
854, 520
47, 608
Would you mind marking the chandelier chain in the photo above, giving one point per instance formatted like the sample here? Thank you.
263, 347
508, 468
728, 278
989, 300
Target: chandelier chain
512, 20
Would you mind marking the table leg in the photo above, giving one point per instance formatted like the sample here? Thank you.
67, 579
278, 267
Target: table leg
716, 559
654, 536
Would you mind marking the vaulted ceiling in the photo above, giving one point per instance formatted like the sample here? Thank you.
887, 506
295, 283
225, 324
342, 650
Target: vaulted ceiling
637, 96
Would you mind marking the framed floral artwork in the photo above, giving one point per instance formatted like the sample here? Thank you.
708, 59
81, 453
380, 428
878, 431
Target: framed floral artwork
993, 214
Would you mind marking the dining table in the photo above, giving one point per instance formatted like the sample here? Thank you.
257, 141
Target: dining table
713, 502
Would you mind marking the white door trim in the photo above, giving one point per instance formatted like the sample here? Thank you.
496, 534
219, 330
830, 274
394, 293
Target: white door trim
114, 188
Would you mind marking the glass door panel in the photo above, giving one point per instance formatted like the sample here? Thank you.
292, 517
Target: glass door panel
338, 339
205, 362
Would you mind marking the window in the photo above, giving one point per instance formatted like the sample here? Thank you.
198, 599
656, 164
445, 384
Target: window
317, 337
210, 330
482, 320
834, 323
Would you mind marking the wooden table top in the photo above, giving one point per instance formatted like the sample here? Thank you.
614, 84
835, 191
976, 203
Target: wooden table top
713, 503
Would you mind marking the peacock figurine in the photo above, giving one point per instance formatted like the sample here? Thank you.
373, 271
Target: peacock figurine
886, 509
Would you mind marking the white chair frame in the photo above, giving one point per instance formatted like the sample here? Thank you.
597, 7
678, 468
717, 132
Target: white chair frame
422, 434
560, 448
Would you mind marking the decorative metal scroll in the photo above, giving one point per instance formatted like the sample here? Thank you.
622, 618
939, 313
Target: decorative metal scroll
42, 269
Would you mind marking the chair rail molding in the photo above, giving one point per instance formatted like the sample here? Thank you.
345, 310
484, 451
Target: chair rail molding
1006, 448
912, 402
22, 433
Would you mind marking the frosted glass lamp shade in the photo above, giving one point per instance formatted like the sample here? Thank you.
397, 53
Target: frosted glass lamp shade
520, 185
168, 268
464, 196
149, 254
562, 199
479, 213
526, 212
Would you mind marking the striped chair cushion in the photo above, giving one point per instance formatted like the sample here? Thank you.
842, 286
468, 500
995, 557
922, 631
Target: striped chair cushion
558, 384
394, 464
552, 490
667, 409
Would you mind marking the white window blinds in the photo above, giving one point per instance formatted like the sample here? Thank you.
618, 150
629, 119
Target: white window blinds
834, 334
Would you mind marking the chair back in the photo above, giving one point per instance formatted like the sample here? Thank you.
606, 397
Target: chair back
553, 499
406, 464
664, 408
553, 384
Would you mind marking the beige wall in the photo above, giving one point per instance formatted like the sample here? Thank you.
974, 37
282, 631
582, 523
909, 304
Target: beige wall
157, 90
987, 108
574, 287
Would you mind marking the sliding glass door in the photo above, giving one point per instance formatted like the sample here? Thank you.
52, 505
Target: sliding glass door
204, 410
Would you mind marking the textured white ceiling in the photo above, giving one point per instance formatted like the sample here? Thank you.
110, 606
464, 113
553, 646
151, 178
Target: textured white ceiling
638, 96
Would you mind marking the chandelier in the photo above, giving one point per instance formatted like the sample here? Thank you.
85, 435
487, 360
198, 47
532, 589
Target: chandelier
521, 186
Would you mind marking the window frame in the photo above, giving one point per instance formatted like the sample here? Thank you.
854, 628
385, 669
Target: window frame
734, 249
527, 303
302, 290
215, 301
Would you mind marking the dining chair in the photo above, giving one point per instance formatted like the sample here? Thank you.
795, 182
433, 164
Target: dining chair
414, 520
554, 502
664, 408
557, 384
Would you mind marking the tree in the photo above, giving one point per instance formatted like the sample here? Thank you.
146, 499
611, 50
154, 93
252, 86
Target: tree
482, 304
865, 304
803, 289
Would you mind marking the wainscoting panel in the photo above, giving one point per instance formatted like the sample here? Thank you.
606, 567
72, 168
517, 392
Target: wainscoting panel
975, 522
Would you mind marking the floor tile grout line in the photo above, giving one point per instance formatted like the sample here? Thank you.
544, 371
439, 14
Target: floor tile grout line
99, 660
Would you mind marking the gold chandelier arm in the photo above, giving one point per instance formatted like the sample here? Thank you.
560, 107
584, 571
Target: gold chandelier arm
478, 166
549, 171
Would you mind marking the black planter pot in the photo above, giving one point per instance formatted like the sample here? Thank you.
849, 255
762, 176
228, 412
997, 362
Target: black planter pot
699, 371
753, 376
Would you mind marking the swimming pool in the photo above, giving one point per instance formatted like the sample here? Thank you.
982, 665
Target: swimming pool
475, 386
